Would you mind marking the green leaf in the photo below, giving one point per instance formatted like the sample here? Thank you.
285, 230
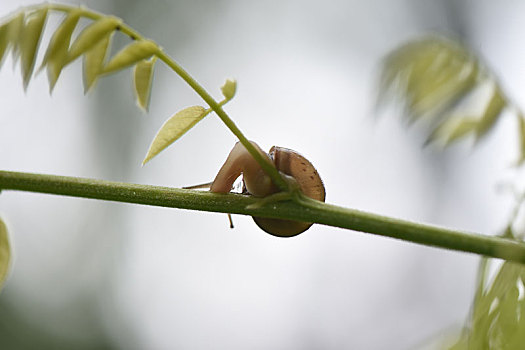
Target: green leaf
454, 129
94, 60
131, 54
14, 31
59, 42
432, 76
56, 56
229, 88
521, 131
30, 40
492, 111
92, 34
4, 41
142, 79
5, 253
174, 128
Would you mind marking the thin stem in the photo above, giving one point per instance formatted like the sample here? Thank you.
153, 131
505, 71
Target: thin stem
267, 166
305, 209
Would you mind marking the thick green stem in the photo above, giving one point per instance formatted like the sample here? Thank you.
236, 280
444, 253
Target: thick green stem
303, 210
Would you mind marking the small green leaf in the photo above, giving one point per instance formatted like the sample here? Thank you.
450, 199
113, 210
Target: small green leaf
131, 54
464, 126
174, 128
453, 129
30, 40
5, 253
59, 43
521, 130
4, 42
14, 32
456, 127
229, 88
91, 35
56, 55
54, 68
94, 60
142, 79
494, 107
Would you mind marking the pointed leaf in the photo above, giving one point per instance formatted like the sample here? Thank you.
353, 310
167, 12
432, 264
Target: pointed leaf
54, 68
229, 88
465, 126
521, 130
4, 42
142, 79
174, 128
453, 129
57, 52
94, 61
131, 54
59, 43
456, 127
492, 111
5, 253
14, 32
92, 34
29, 42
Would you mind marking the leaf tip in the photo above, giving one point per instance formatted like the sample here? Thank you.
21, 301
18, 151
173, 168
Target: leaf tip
143, 108
5, 253
142, 79
147, 158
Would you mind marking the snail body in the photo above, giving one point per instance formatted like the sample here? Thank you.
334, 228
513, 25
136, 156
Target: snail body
259, 184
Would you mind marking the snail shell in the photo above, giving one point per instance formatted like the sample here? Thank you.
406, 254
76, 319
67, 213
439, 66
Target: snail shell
257, 183
293, 164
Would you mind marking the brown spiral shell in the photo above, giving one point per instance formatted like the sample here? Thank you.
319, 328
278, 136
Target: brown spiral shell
292, 163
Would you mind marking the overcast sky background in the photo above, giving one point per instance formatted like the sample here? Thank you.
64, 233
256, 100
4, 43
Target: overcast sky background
91, 274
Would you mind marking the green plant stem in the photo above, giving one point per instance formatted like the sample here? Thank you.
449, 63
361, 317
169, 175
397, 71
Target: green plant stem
305, 209
267, 166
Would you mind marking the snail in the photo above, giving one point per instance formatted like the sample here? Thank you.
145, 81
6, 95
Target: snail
259, 184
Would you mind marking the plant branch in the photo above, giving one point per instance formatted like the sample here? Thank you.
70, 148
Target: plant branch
304, 209
267, 166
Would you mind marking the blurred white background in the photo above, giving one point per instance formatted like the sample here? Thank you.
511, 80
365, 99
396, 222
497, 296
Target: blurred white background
91, 274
